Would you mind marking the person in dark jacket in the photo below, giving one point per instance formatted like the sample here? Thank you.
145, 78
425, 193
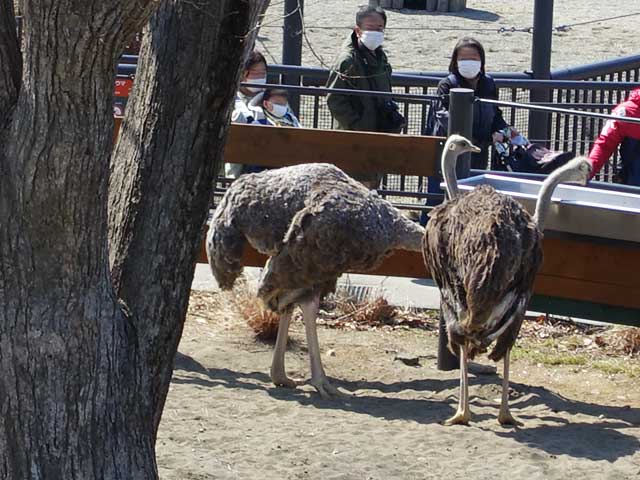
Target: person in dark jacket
467, 70
361, 65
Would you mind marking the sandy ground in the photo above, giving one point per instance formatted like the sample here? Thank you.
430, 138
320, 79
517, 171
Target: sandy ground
225, 420
414, 43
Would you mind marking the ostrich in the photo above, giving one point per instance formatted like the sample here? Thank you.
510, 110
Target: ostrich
484, 250
315, 223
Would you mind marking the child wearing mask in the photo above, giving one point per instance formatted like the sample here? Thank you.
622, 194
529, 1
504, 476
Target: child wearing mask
275, 111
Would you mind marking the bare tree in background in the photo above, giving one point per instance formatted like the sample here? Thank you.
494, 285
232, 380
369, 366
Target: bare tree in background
95, 274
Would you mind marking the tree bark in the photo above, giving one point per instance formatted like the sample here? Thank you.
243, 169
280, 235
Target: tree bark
69, 394
10, 62
164, 164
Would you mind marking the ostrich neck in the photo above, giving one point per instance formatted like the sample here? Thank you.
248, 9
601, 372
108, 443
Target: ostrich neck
449, 162
546, 191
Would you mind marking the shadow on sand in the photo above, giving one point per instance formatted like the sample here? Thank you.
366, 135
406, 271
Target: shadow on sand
591, 440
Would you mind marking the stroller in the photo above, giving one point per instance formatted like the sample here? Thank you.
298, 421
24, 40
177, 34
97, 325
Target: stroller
517, 154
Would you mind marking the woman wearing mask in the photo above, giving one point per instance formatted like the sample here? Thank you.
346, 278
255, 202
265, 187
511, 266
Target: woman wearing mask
255, 73
467, 70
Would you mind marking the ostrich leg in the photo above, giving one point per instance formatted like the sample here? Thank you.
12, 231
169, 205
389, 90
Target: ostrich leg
278, 374
505, 417
318, 378
463, 415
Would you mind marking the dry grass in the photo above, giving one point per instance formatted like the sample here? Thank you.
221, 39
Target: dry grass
370, 313
262, 321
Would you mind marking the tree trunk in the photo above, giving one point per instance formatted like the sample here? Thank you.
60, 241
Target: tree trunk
169, 150
10, 64
84, 377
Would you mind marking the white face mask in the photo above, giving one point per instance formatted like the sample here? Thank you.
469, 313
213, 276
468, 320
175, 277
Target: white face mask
256, 81
279, 111
372, 39
469, 68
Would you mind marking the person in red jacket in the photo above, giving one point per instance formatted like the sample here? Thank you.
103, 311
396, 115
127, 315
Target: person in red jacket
626, 135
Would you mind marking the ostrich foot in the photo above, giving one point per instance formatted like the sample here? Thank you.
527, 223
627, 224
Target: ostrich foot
506, 419
280, 379
460, 418
325, 388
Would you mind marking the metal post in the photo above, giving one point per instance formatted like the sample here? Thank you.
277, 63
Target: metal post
541, 66
292, 45
461, 122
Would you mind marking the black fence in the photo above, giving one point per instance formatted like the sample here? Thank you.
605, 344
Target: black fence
591, 88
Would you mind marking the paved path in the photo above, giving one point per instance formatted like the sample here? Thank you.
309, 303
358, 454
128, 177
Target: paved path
398, 291
401, 292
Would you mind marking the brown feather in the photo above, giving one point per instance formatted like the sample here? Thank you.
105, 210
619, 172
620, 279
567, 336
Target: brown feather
483, 250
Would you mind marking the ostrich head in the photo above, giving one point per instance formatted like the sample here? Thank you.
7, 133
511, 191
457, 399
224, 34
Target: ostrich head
455, 146
577, 170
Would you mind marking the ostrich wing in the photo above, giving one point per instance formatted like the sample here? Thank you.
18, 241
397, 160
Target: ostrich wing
258, 208
342, 227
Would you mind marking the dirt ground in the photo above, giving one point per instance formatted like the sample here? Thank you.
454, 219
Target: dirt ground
225, 420
414, 43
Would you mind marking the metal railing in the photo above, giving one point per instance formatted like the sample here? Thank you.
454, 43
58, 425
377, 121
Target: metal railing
596, 87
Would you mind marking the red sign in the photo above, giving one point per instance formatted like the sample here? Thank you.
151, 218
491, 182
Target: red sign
123, 87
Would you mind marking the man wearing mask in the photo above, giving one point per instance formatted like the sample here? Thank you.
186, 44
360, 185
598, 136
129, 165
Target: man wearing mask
362, 65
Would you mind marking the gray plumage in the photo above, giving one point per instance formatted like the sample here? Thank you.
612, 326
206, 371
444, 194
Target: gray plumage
315, 223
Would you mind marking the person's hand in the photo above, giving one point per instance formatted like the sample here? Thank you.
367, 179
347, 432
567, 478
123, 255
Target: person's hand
497, 137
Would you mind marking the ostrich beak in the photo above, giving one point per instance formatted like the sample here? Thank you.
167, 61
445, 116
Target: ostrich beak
474, 149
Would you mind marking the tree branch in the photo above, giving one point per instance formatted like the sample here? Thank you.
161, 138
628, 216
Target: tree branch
10, 60
164, 164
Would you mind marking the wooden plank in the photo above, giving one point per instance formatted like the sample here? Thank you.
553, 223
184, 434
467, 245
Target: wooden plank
582, 259
353, 152
588, 291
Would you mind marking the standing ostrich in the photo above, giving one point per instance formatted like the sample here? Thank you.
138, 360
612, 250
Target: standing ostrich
484, 250
315, 223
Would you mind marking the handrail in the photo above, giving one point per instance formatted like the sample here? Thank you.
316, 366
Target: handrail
343, 91
597, 69
127, 66
567, 111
